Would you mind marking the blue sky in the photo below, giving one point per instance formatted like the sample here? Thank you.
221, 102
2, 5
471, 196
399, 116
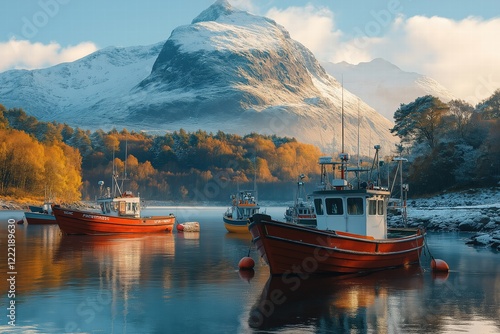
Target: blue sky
453, 41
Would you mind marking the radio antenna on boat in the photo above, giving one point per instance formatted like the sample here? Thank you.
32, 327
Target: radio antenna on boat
343, 156
342, 113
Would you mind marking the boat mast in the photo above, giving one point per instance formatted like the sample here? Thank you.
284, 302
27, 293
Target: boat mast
343, 156
403, 196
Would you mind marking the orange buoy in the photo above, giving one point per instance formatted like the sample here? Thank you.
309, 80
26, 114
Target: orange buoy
439, 266
246, 263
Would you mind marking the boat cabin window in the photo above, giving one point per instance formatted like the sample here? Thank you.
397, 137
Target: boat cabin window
355, 206
380, 207
376, 207
318, 206
334, 206
372, 207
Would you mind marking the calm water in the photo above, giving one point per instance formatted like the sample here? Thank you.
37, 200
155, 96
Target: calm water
189, 283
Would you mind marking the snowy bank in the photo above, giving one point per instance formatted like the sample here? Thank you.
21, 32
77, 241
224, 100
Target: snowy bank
474, 210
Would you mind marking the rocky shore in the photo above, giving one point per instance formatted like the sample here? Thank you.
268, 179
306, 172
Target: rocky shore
475, 210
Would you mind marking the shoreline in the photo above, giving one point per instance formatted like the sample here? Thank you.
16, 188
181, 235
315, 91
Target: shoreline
473, 210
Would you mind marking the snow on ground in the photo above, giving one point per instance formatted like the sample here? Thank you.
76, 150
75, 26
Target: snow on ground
474, 210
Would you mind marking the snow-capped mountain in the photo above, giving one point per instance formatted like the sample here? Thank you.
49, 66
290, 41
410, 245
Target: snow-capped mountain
384, 86
69, 91
228, 70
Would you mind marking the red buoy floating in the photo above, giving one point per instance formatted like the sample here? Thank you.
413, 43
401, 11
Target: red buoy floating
246, 263
180, 227
439, 266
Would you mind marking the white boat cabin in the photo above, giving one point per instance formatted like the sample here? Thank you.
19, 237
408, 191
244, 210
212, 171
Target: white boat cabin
243, 205
360, 211
119, 204
124, 206
339, 207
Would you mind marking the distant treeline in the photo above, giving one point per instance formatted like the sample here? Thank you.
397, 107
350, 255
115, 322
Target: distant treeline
182, 166
449, 145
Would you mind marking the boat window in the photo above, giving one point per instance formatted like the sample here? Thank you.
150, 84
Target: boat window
334, 206
318, 204
355, 206
372, 207
381, 207
122, 208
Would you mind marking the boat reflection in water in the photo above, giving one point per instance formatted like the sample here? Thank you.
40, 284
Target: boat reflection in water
335, 304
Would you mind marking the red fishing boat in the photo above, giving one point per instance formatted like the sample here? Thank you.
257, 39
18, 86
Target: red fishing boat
72, 221
119, 214
351, 234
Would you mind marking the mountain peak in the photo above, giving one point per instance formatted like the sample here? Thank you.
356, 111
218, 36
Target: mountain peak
215, 11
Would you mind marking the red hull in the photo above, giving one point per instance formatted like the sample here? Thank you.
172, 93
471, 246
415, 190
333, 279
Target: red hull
83, 222
293, 249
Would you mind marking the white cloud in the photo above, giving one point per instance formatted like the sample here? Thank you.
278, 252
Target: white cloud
246, 5
463, 55
23, 54
312, 26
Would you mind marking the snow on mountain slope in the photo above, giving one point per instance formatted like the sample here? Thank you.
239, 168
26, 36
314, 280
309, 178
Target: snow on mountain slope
67, 90
228, 70
384, 86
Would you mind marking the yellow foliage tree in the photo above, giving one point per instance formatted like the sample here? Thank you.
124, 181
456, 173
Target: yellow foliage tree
28, 167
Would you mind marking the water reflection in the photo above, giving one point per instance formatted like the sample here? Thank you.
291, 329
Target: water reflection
190, 283
122, 260
335, 304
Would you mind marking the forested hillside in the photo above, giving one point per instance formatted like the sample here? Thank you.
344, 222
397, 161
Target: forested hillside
449, 146
181, 166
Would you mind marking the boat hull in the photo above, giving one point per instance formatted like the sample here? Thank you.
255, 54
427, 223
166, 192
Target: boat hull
236, 226
294, 249
91, 223
35, 218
